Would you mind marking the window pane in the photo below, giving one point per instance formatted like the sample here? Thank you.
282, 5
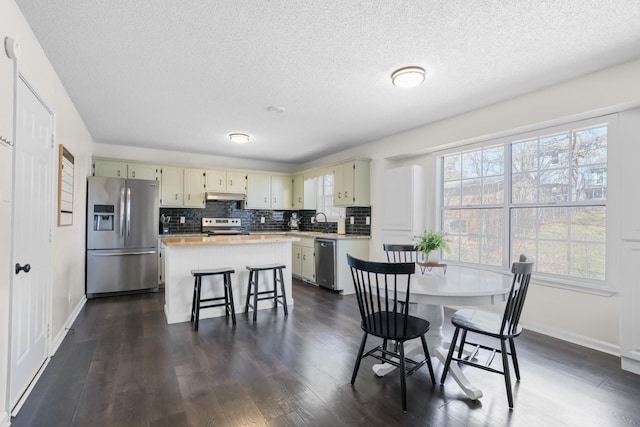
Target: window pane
472, 164
493, 190
474, 235
524, 156
591, 146
452, 193
493, 161
452, 167
471, 192
555, 151
524, 188
553, 257
590, 183
588, 260
588, 224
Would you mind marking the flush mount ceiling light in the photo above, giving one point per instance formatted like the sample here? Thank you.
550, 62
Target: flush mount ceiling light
239, 138
408, 77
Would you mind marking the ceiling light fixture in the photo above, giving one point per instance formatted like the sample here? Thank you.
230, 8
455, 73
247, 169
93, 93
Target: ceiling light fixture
408, 77
239, 138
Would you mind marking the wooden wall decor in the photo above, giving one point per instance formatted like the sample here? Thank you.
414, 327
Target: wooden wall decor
65, 187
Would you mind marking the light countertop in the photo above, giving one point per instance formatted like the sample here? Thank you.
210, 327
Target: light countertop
227, 240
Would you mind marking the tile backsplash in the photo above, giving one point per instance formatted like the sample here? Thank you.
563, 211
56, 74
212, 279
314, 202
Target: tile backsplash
251, 218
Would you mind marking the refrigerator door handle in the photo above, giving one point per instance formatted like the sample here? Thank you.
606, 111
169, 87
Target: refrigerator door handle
128, 212
125, 253
122, 212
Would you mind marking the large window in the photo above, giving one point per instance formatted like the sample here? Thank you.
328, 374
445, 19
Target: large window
544, 195
324, 201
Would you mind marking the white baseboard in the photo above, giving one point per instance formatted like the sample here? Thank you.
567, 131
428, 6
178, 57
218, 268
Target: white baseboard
581, 340
5, 420
631, 365
57, 341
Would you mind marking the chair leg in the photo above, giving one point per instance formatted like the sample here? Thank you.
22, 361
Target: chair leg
452, 347
505, 368
463, 340
403, 377
428, 357
514, 357
359, 358
284, 294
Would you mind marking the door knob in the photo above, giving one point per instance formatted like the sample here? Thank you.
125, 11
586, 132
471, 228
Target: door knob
26, 268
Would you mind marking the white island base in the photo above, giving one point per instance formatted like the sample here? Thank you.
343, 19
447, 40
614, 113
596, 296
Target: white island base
185, 254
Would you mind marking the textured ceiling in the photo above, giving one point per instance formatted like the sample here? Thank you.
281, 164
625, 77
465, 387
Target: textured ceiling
181, 75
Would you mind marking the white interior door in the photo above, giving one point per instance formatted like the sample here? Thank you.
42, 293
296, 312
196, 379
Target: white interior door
31, 240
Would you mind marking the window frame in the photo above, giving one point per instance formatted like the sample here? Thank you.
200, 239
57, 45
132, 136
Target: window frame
594, 286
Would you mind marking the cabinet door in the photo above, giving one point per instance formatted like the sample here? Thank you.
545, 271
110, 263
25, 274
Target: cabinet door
237, 182
109, 168
143, 171
194, 188
216, 180
281, 189
310, 194
298, 192
258, 191
308, 264
172, 188
339, 197
296, 261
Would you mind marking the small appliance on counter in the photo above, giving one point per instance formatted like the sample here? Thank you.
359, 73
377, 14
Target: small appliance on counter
341, 225
165, 223
294, 222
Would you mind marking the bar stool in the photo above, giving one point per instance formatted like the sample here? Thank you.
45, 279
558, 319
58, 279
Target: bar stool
254, 275
199, 303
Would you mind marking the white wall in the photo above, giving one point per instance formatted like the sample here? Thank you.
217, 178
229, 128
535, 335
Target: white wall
587, 319
68, 242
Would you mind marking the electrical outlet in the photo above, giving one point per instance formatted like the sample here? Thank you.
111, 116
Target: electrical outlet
181, 220
367, 220
261, 220
352, 220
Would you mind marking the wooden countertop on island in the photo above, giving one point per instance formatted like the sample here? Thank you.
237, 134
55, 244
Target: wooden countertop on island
227, 240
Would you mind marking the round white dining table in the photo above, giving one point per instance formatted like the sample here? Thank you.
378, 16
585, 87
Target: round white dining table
460, 286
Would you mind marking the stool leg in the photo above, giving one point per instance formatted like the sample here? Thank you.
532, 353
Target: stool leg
246, 304
275, 291
226, 295
255, 296
284, 294
230, 304
199, 296
193, 300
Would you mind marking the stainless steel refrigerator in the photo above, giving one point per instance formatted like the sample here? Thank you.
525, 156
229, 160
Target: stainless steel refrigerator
122, 235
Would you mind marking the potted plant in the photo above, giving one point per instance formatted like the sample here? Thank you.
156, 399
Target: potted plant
428, 242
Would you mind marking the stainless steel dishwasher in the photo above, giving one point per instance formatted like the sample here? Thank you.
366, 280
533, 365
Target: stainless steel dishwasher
325, 262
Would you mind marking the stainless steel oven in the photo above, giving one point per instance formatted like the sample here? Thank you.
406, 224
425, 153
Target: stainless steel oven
222, 226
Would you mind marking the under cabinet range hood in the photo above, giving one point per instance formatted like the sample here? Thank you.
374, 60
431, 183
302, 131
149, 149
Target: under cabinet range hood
226, 196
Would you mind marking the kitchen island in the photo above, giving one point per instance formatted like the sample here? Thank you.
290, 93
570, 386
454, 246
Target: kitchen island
183, 254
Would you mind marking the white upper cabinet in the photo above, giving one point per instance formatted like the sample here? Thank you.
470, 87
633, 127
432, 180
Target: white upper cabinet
194, 188
172, 186
226, 181
258, 191
351, 183
110, 168
298, 192
281, 191
266, 191
143, 171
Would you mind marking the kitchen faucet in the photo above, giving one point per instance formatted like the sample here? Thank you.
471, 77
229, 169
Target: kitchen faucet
326, 224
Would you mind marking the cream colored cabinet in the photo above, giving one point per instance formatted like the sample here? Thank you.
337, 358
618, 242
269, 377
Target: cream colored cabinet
296, 259
226, 181
194, 188
298, 192
237, 182
258, 191
266, 191
172, 186
351, 183
281, 192
308, 264
303, 262
143, 171
358, 248
109, 168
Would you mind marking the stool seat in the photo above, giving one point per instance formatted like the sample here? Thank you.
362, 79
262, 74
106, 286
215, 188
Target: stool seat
225, 301
212, 271
265, 267
254, 278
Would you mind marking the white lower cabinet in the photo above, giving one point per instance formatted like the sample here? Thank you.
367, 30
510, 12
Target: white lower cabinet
358, 248
303, 262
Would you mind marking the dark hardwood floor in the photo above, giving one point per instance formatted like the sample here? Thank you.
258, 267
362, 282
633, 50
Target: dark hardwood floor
122, 365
